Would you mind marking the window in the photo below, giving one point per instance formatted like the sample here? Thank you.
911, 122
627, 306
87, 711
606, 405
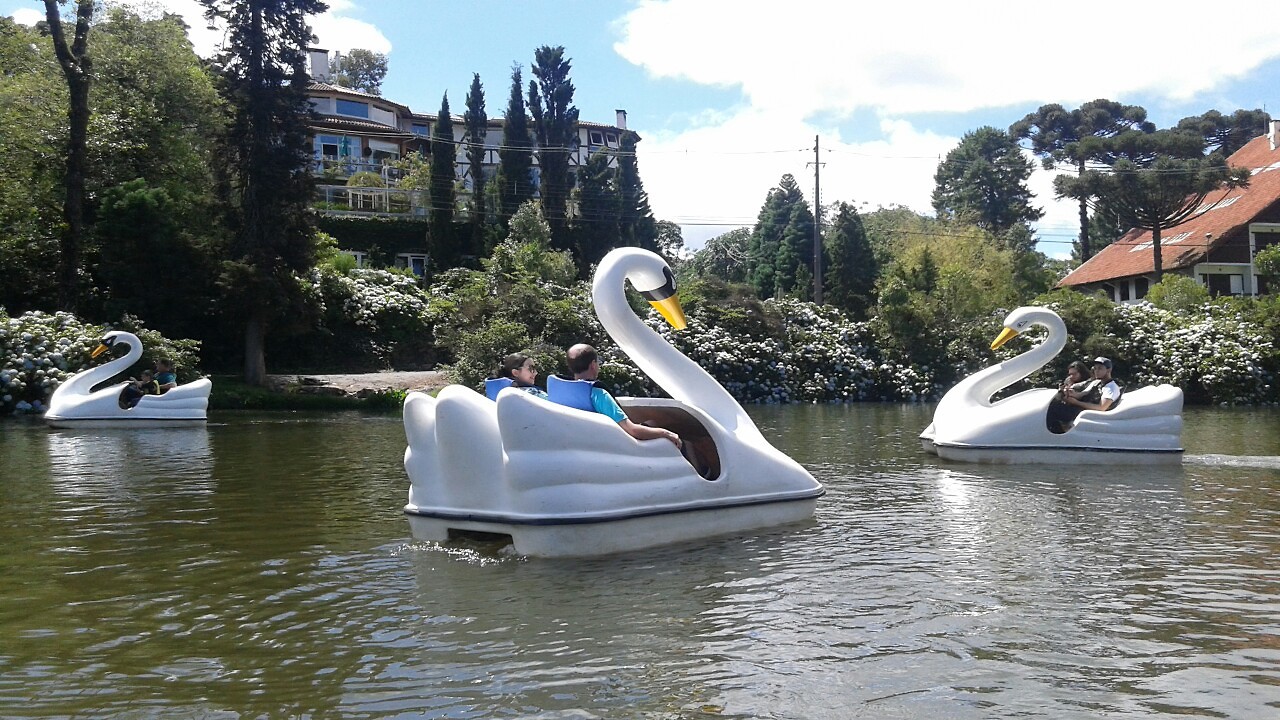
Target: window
353, 108
596, 137
1140, 287
362, 258
420, 129
1110, 290
414, 261
1219, 285
611, 139
1123, 287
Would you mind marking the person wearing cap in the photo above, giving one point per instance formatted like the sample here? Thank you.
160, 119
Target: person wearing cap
1109, 393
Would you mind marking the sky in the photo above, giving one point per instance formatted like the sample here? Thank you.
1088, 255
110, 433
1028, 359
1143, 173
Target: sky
728, 96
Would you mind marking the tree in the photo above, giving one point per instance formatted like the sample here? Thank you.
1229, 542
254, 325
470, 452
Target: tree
555, 122
1158, 181
781, 247
33, 116
670, 241
1073, 137
851, 266
983, 181
636, 225
477, 125
1227, 133
359, 69
265, 82
724, 257
443, 153
599, 211
77, 67
515, 157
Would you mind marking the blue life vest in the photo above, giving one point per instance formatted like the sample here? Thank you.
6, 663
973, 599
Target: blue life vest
572, 393
493, 385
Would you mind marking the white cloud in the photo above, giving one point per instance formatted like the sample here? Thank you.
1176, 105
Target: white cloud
27, 16
813, 59
336, 29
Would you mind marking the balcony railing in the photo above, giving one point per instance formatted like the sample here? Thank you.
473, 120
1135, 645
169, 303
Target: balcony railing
341, 168
371, 201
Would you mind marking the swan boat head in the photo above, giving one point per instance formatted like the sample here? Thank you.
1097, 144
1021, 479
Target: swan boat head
76, 403
524, 462
967, 425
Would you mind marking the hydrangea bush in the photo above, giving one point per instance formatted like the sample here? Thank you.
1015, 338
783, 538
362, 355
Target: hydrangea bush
368, 319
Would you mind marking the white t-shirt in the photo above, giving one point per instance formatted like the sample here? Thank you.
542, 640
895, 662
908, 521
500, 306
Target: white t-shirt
1111, 391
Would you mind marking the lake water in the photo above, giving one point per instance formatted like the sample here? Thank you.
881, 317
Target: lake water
262, 567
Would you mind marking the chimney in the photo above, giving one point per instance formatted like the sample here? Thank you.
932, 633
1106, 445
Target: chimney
319, 64
622, 119
1274, 135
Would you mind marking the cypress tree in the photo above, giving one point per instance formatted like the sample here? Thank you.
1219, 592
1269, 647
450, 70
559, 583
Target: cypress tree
515, 157
637, 226
443, 155
555, 122
477, 123
851, 270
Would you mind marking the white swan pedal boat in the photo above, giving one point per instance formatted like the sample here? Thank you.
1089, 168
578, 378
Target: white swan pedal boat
76, 402
565, 482
1145, 428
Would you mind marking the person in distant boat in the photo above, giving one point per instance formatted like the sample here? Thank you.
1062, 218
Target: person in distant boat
584, 363
522, 372
1061, 415
166, 379
1108, 389
133, 392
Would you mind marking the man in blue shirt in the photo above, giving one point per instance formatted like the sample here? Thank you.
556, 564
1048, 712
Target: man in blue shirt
585, 365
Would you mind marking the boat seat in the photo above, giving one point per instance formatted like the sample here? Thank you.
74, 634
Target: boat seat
570, 393
492, 386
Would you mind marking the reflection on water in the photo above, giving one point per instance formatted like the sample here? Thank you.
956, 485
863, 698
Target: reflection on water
262, 567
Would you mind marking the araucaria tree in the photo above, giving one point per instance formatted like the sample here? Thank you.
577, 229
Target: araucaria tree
1227, 133
983, 182
515, 157
477, 124
1077, 137
443, 154
76, 65
265, 83
555, 122
1159, 180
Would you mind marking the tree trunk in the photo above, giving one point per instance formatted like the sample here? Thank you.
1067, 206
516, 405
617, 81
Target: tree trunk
73, 57
1155, 252
255, 359
1085, 252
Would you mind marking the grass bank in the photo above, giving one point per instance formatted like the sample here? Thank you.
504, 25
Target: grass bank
231, 393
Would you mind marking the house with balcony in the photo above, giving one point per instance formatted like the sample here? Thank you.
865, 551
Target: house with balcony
1216, 246
354, 133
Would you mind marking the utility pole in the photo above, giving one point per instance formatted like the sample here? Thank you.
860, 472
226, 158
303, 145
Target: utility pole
817, 228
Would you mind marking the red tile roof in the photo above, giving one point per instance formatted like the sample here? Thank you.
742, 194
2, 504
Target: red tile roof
1186, 244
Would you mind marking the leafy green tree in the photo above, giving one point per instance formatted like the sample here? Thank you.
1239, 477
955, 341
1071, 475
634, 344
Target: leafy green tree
555, 123
1061, 136
983, 181
443, 152
781, 246
359, 69
637, 227
515, 157
851, 267
723, 257
1178, 293
1227, 133
670, 241
477, 124
33, 117
77, 67
1159, 180
265, 82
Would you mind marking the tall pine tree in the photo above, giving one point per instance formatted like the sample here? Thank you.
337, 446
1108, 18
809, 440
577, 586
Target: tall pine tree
555, 122
515, 157
850, 278
599, 209
265, 83
636, 224
443, 156
780, 254
477, 123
